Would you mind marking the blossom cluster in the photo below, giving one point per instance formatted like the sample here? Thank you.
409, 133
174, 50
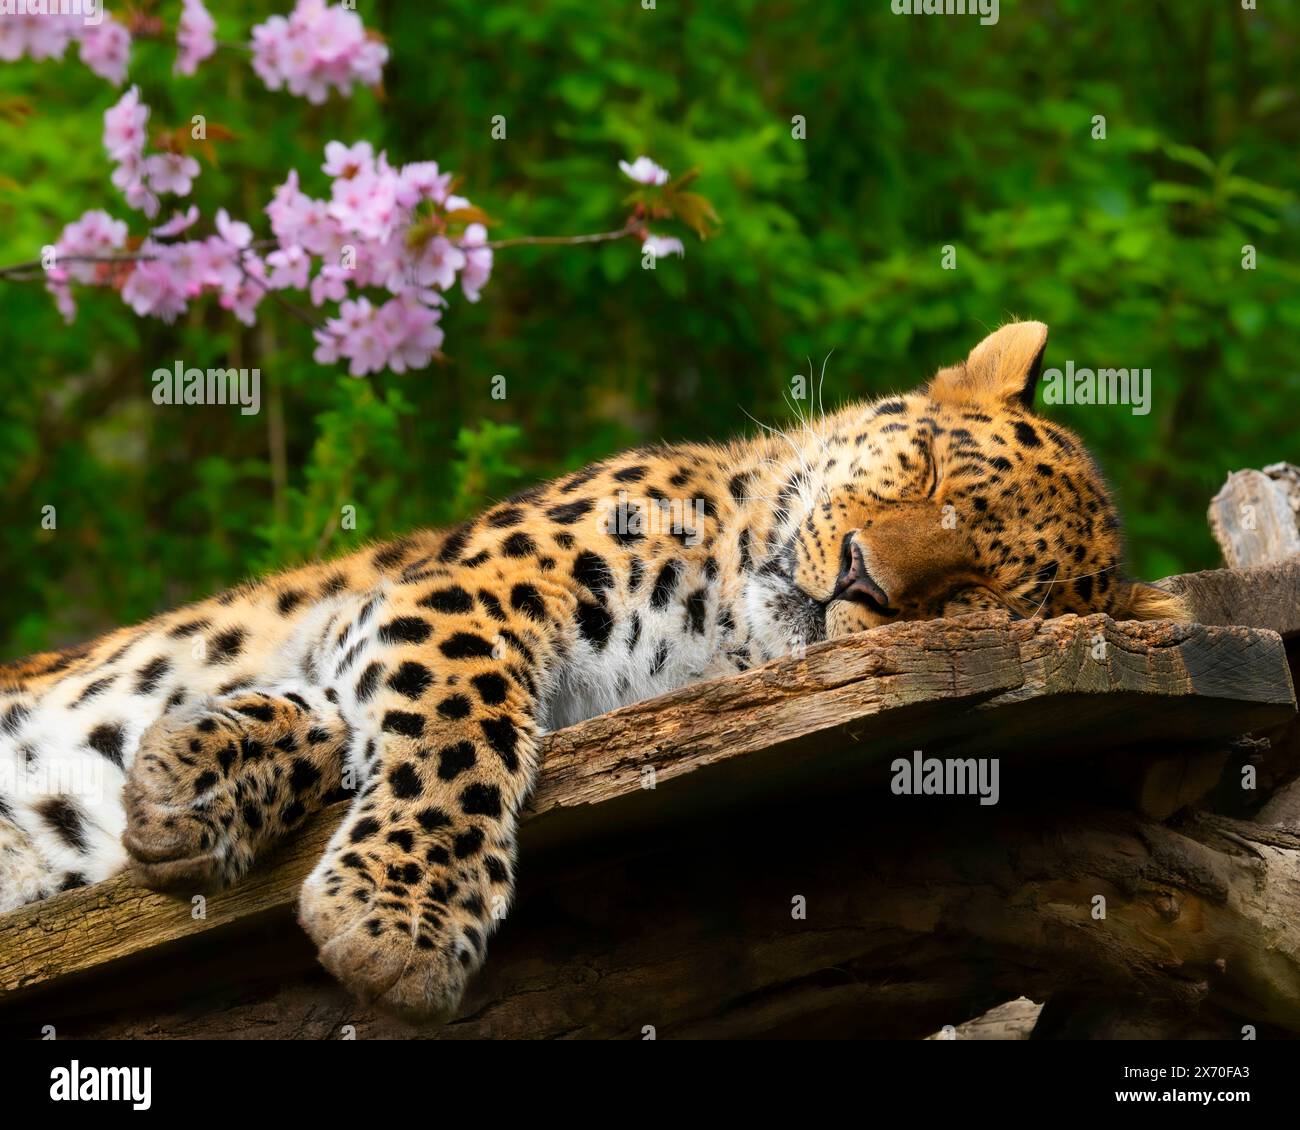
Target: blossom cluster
162, 278
142, 179
195, 37
385, 245
95, 235
399, 231
319, 47
104, 47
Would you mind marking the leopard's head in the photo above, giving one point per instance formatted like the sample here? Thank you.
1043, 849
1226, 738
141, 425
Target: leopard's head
957, 497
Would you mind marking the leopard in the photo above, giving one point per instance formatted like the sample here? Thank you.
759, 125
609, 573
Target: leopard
416, 677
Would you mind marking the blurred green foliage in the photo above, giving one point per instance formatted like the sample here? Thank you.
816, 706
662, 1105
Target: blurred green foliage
921, 132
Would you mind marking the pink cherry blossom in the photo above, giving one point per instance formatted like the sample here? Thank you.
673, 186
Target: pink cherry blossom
661, 245
189, 266
413, 333
348, 160
129, 177
96, 233
153, 289
106, 49
361, 239
139, 177
330, 285
422, 181
225, 264
235, 232
327, 347
290, 267
321, 233
437, 263
179, 222
124, 126
288, 210
367, 349
319, 48
243, 299
270, 40
366, 203
359, 337
128, 172
171, 172
478, 262
195, 37
40, 36
644, 171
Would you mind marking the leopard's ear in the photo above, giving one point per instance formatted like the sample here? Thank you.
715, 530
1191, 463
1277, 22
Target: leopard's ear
1135, 600
1002, 369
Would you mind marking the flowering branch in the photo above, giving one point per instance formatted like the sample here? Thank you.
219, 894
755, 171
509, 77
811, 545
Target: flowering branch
35, 269
628, 229
319, 48
386, 246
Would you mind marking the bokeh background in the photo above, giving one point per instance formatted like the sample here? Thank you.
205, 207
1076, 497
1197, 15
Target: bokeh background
921, 132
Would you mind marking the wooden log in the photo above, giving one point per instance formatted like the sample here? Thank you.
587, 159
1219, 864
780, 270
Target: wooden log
1252, 518
1263, 596
909, 921
797, 727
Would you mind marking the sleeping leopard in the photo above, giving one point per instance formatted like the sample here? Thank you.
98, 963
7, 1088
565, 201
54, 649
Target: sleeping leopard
416, 676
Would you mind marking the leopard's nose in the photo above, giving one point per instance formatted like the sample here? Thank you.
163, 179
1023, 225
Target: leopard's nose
855, 583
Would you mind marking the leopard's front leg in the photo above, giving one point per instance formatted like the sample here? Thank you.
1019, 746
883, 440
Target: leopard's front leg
420, 872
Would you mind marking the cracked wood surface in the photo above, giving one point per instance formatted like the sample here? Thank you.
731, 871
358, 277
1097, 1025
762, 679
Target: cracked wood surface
1264, 596
798, 724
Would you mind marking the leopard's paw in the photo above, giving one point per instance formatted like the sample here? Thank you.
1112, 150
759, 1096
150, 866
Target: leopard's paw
401, 916
180, 808
211, 788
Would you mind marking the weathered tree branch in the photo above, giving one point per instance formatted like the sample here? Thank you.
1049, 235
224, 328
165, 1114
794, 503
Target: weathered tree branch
925, 925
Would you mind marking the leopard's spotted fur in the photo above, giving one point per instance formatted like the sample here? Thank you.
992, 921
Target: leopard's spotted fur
417, 676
